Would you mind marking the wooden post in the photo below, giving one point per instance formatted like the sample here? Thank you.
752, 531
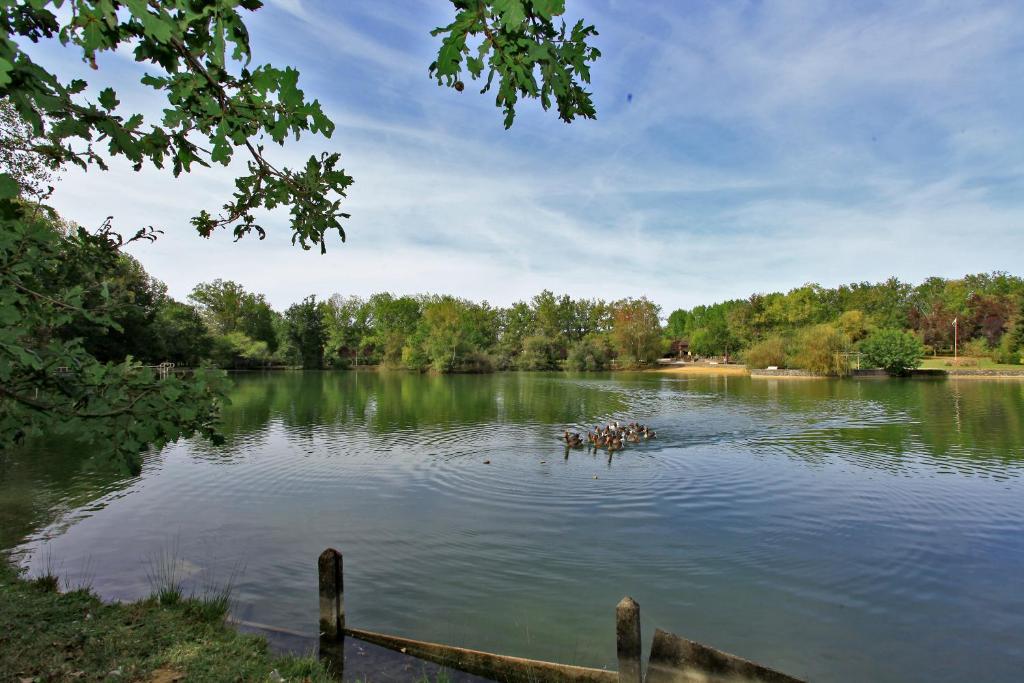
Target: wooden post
627, 640
332, 595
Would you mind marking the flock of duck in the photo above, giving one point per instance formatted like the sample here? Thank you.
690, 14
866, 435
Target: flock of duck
612, 436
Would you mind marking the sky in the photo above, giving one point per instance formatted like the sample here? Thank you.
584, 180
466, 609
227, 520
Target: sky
740, 147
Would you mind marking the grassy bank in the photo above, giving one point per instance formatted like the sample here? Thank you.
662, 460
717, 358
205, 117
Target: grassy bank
46, 635
967, 363
730, 370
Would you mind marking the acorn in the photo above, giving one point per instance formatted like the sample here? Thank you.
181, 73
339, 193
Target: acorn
460, 86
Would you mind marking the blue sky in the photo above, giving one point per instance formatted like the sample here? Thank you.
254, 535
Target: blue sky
766, 145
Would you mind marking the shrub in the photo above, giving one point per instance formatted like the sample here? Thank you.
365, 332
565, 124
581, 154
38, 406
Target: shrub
895, 351
476, 362
820, 351
854, 324
1007, 353
977, 348
589, 353
539, 353
236, 349
771, 351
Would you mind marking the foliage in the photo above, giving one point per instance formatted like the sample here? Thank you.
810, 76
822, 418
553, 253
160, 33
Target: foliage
539, 353
227, 307
590, 353
217, 103
1011, 346
766, 353
976, 348
451, 336
636, 330
237, 350
982, 303
31, 171
306, 331
391, 321
182, 337
820, 349
1015, 338
1007, 352
854, 324
517, 40
345, 320
714, 339
679, 324
49, 382
446, 330
133, 299
895, 351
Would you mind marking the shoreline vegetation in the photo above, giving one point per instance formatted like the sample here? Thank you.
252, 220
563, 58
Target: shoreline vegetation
825, 331
50, 635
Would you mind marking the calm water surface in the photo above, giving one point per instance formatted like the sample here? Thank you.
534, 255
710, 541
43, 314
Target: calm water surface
843, 531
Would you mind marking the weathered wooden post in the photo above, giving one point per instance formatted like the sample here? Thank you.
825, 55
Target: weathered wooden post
627, 640
332, 595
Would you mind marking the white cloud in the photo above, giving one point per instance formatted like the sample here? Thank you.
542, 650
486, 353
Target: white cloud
766, 146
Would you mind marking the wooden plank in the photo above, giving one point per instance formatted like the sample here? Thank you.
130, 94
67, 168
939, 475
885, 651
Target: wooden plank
496, 667
678, 660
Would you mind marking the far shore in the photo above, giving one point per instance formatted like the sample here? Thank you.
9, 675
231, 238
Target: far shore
742, 370
703, 369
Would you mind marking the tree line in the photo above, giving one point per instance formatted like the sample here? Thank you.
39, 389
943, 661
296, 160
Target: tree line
809, 327
224, 324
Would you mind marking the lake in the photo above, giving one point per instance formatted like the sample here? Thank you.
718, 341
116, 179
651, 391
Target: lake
840, 530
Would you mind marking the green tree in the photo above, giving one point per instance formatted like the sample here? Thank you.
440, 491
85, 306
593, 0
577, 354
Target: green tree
132, 297
539, 353
712, 339
227, 307
636, 330
854, 324
679, 324
181, 335
220, 303
820, 350
1011, 347
551, 317
391, 321
1016, 333
590, 353
307, 331
445, 326
514, 323
238, 350
895, 351
50, 383
346, 321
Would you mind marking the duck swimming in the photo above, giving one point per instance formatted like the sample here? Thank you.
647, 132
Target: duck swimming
573, 440
612, 436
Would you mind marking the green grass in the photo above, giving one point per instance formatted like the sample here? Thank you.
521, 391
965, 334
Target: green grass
46, 635
967, 363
